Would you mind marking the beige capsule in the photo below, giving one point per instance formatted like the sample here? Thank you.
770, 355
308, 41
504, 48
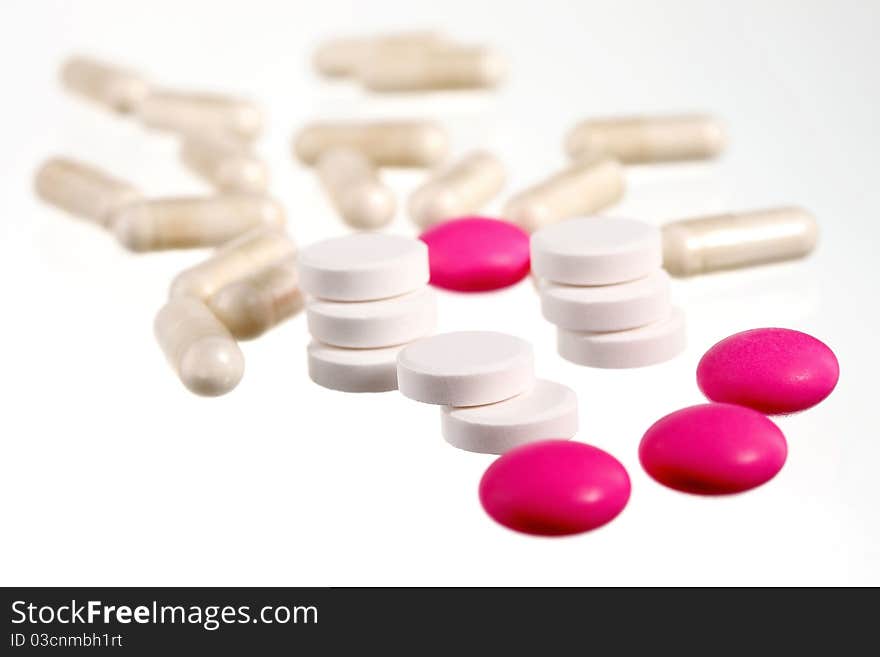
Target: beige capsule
462, 189
228, 164
732, 241
201, 114
352, 183
339, 58
82, 190
635, 140
581, 189
115, 88
192, 222
253, 305
236, 260
433, 68
386, 143
198, 347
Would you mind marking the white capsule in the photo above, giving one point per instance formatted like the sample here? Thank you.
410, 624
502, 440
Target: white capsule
433, 68
732, 241
113, 87
198, 347
227, 164
386, 143
201, 114
192, 222
581, 189
234, 261
352, 183
460, 190
82, 190
251, 306
636, 140
343, 57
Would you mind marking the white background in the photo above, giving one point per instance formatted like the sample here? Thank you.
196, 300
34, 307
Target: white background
113, 474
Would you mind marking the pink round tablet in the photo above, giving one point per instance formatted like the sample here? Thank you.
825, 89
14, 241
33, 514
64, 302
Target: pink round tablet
554, 487
713, 449
773, 370
475, 254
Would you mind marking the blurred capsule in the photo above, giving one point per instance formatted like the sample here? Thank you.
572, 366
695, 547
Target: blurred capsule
198, 347
236, 260
338, 58
635, 140
351, 182
201, 114
460, 190
581, 189
228, 164
435, 68
732, 241
251, 306
385, 143
192, 222
82, 190
113, 87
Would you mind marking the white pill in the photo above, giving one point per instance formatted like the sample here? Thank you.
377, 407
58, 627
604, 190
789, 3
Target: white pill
109, 85
466, 368
606, 307
201, 114
353, 370
549, 410
432, 68
191, 222
596, 251
344, 56
373, 324
226, 163
647, 345
363, 267
352, 183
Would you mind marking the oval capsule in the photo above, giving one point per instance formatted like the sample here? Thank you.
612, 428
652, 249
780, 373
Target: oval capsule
352, 183
342, 57
82, 190
732, 241
198, 347
636, 140
227, 164
115, 88
191, 222
201, 114
461, 190
581, 189
236, 260
433, 68
386, 143
251, 306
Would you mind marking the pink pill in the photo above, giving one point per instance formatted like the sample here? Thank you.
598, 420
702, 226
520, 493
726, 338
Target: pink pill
772, 370
713, 449
475, 254
554, 487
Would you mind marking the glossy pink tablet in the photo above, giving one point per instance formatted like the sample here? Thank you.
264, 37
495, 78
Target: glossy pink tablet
713, 449
554, 488
773, 370
475, 254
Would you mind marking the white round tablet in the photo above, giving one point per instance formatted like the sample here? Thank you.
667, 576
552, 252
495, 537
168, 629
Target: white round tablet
648, 345
596, 251
607, 307
363, 267
353, 370
467, 368
372, 324
547, 410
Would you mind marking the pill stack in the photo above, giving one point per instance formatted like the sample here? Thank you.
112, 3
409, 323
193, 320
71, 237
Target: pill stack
368, 297
601, 283
485, 382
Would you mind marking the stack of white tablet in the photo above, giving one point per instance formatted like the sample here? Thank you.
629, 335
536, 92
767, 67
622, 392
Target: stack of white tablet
485, 382
602, 285
368, 297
